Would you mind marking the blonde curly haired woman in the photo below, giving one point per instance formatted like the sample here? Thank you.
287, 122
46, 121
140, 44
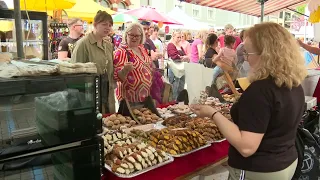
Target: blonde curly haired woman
197, 47
266, 117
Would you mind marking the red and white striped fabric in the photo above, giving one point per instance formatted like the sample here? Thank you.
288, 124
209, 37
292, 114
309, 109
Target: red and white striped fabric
250, 7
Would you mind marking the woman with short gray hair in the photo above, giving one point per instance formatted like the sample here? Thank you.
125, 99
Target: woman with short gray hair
132, 66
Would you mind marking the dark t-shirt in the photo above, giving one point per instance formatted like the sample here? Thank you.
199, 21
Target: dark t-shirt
208, 57
149, 45
276, 112
67, 44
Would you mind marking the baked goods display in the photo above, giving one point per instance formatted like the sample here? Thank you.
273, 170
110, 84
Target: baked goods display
177, 121
206, 128
180, 109
129, 158
231, 98
212, 101
117, 121
203, 97
224, 109
145, 116
173, 141
126, 155
165, 112
112, 138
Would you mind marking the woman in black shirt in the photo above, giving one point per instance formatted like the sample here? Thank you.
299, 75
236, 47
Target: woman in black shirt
210, 45
265, 119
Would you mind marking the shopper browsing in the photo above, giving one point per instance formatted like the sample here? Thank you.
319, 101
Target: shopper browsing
149, 45
226, 55
266, 117
197, 46
93, 48
185, 44
132, 67
229, 30
211, 45
177, 54
67, 44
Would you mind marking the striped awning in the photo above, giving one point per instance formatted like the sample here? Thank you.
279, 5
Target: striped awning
250, 7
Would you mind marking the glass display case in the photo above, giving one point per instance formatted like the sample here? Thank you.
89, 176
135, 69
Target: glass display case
47, 112
34, 32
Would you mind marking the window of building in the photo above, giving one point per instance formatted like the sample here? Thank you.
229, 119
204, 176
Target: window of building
105, 3
180, 5
287, 16
211, 13
196, 11
144, 2
281, 15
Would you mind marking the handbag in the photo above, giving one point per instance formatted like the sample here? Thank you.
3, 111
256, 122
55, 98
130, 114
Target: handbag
308, 149
177, 68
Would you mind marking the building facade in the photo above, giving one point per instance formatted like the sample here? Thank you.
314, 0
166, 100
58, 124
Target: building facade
214, 17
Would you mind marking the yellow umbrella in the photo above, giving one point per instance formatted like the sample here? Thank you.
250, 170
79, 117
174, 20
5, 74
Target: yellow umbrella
314, 8
6, 25
86, 10
43, 5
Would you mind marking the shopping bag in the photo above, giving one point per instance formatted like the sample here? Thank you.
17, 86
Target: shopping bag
157, 86
311, 121
177, 68
308, 156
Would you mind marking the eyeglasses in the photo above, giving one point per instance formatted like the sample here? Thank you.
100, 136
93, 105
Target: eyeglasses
134, 36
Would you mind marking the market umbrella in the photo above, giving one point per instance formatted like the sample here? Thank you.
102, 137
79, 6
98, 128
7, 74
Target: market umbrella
6, 25
151, 14
44, 5
86, 10
123, 18
314, 8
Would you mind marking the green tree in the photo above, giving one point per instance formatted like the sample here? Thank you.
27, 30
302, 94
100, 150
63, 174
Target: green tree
301, 9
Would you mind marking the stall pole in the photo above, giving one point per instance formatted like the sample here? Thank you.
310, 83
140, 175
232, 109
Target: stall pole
262, 10
18, 28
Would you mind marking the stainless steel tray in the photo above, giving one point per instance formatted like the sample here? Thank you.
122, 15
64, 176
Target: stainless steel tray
190, 152
218, 141
137, 173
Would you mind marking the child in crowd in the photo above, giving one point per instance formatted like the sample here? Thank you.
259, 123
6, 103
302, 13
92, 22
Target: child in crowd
226, 55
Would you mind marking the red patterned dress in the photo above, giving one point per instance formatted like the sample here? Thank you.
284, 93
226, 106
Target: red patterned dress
137, 85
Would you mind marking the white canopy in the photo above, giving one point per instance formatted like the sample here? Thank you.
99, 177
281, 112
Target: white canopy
187, 21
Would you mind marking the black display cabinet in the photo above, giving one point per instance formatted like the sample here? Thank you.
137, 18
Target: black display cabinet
51, 122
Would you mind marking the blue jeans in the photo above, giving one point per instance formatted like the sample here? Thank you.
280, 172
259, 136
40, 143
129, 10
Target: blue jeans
177, 84
216, 72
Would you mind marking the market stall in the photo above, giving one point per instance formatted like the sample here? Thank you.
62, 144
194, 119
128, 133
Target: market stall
258, 8
167, 142
188, 22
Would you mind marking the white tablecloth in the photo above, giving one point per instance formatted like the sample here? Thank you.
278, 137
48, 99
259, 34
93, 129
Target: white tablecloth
197, 78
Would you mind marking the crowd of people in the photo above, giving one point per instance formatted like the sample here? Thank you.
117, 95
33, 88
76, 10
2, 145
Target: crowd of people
205, 47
